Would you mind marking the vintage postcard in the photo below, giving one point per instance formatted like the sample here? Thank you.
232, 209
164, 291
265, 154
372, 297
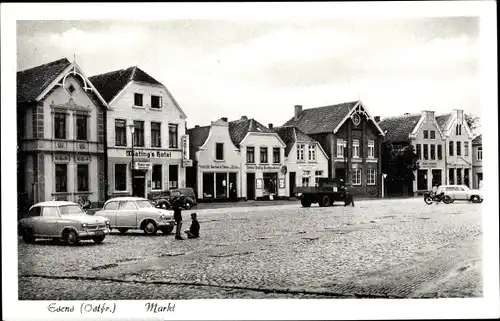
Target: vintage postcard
249, 161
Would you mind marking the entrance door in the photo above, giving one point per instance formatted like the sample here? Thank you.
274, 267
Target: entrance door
422, 180
139, 184
292, 184
251, 186
233, 189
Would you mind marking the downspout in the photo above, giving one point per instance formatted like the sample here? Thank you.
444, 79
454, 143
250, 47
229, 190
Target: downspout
105, 145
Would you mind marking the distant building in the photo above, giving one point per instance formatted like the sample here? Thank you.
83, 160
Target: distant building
305, 159
242, 152
477, 162
424, 133
61, 134
140, 103
352, 140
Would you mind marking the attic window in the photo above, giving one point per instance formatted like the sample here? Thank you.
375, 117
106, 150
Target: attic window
71, 89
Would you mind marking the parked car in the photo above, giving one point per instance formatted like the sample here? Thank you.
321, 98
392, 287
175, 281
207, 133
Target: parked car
164, 199
62, 220
460, 193
131, 213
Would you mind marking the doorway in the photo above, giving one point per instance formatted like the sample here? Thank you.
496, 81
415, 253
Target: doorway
270, 183
292, 184
422, 180
250, 186
139, 182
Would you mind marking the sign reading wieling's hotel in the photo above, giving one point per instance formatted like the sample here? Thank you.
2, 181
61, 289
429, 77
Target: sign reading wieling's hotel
150, 154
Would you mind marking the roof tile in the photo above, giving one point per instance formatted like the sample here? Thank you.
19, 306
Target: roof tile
478, 140
399, 127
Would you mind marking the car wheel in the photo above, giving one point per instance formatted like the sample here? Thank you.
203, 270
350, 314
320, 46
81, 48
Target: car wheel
150, 228
71, 238
167, 230
98, 239
188, 205
474, 199
28, 236
325, 201
305, 202
428, 200
447, 200
123, 230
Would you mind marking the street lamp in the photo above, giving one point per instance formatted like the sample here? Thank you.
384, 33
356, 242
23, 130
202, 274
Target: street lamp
132, 131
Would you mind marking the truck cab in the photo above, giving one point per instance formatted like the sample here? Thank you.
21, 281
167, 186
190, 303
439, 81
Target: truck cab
326, 193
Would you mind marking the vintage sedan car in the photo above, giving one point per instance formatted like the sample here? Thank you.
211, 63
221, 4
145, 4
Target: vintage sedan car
131, 213
62, 220
460, 193
164, 199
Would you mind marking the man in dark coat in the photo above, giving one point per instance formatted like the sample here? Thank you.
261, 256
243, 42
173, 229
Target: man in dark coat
177, 206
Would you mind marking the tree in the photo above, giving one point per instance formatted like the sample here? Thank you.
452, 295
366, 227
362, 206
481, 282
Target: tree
473, 122
399, 161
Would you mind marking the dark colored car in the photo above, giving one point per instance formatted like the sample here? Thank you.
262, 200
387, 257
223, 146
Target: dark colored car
164, 199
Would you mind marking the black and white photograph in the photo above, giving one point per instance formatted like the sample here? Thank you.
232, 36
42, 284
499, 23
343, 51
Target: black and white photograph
250, 161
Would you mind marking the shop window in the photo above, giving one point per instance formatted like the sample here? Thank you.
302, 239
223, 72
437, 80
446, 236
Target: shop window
300, 152
450, 149
356, 176
138, 100
355, 148
270, 183
459, 149
370, 176
139, 133
156, 102
208, 185
436, 177
173, 176
173, 136
156, 177
426, 134
155, 134
61, 178
59, 126
219, 151
120, 132
221, 185
440, 151
419, 151
466, 148
312, 153
276, 155
371, 149
250, 155
433, 152
263, 155
426, 152
433, 134
120, 177
81, 127
83, 177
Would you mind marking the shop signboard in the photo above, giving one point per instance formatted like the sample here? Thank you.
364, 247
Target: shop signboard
187, 162
264, 167
143, 166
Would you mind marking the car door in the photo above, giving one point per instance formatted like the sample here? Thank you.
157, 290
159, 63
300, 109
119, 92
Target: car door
460, 193
126, 215
109, 212
33, 219
47, 225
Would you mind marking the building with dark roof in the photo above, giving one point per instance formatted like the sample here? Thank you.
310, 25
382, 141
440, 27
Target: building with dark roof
477, 162
240, 159
351, 138
305, 159
147, 145
61, 134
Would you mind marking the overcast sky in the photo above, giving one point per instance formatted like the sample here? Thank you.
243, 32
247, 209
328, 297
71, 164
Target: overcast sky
223, 68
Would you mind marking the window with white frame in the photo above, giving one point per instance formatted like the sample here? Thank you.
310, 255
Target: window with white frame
341, 144
371, 149
305, 178
466, 148
318, 175
300, 152
312, 152
356, 176
370, 176
156, 102
355, 148
479, 153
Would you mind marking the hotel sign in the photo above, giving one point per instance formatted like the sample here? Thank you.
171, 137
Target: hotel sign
150, 153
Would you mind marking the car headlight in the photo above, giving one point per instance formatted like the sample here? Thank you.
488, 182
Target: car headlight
84, 225
107, 223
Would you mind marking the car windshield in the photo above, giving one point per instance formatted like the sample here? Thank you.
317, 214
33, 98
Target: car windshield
71, 210
144, 204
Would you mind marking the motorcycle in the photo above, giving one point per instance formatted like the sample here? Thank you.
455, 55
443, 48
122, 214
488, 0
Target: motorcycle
431, 197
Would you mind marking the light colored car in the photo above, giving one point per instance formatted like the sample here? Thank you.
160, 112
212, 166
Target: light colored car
132, 213
460, 193
62, 220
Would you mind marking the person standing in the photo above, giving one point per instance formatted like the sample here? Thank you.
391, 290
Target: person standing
177, 207
232, 192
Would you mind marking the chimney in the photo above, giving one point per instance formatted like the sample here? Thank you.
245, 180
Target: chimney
196, 126
270, 126
298, 110
244, 117
377, 119
406, 114
224, 119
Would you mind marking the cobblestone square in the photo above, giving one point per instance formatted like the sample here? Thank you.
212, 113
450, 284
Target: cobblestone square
378, 249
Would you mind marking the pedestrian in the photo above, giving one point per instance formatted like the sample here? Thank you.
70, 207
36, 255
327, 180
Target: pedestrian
194, 229
232, 192
435, 197
177, 206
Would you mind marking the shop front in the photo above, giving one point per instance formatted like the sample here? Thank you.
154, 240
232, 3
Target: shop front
219, 182
264, 182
